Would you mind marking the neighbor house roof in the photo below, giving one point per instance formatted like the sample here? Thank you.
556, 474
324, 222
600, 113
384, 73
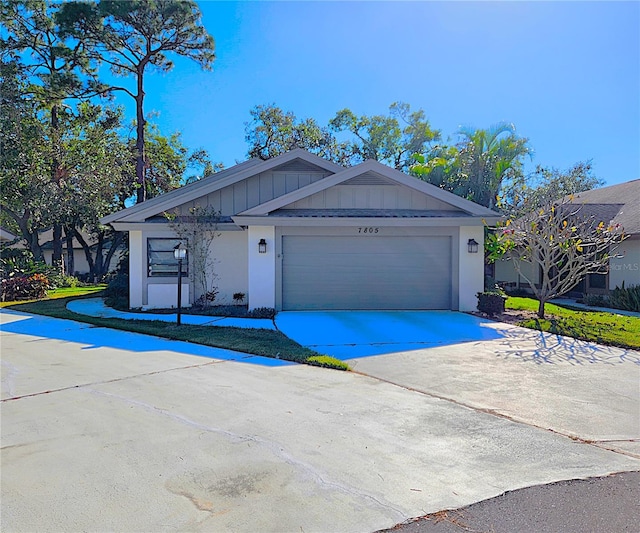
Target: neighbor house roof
616, 204
6, 235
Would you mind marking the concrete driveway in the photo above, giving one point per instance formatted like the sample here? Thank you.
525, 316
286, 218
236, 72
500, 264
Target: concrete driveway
575, 388
107, 430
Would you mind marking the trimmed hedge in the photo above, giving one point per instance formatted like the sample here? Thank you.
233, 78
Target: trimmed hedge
491, 303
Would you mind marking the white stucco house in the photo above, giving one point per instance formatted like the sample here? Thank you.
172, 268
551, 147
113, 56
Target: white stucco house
298, 232
80, 263
616, 204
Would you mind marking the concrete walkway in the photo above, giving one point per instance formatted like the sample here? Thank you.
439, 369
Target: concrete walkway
570, 302
109, 430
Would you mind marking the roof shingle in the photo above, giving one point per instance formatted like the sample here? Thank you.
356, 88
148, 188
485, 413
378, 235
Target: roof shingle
616, 204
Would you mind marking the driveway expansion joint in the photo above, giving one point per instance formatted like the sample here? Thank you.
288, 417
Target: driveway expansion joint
498, 414
115, 380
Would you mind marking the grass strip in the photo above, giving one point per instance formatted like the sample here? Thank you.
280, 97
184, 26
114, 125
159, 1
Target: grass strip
256, 341
594, 326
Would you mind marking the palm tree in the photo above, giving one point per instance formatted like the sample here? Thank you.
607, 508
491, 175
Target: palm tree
487, 157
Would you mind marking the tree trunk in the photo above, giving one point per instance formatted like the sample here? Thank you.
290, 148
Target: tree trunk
116, 241
71, 262
541, 308
34, 246
140, 154
87, 253
99, 264
32, 237
56, 258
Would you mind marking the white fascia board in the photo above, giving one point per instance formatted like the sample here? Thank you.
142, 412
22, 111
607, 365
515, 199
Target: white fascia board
7, 235
187, 194
157, 205
242, 220
162, 226
224, 178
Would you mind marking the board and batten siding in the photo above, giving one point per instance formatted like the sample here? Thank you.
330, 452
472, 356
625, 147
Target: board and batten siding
371, 197
253, 191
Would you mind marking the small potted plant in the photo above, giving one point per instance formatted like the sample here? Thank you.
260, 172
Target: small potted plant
492, 301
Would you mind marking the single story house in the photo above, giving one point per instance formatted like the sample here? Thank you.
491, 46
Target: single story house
616, 204
298, 232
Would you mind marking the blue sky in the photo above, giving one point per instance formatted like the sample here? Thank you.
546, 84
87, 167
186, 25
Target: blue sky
567, 74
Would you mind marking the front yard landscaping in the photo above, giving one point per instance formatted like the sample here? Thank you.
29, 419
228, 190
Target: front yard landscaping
263, 342
600, 327
603, 328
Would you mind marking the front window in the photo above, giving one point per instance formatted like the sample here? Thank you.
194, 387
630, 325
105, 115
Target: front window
161, 261
597, 281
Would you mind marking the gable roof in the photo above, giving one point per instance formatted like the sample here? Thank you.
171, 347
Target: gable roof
616, 204
217, 181
362, 173
376, 167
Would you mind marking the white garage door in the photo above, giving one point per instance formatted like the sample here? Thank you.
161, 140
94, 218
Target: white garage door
345, 272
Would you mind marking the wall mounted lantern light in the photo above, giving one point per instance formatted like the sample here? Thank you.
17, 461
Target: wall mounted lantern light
472, 246
262, 246
180, 252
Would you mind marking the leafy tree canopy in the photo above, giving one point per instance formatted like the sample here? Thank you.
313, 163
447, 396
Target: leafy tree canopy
546, 183
273, 131
134, 38
479, 166
348, 139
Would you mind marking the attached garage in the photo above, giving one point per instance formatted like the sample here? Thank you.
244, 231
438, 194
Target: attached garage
366, 272
298, 232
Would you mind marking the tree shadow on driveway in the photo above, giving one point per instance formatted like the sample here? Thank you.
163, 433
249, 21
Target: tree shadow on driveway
356, 334
548, 348
93, 337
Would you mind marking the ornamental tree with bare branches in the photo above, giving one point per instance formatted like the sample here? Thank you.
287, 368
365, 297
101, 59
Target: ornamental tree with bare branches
560, 238
197, 230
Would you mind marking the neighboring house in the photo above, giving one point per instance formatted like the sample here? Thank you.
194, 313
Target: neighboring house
616, 204
364, 237
80, 263
6, 236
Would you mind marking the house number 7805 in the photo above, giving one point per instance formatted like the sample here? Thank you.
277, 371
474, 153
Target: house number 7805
368, 230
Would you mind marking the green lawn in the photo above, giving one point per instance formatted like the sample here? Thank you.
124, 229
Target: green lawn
603, 328
265, 342
65, 292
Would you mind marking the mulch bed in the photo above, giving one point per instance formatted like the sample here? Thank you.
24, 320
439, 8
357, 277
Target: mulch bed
510, 316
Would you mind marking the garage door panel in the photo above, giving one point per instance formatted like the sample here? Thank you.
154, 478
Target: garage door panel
338, 272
